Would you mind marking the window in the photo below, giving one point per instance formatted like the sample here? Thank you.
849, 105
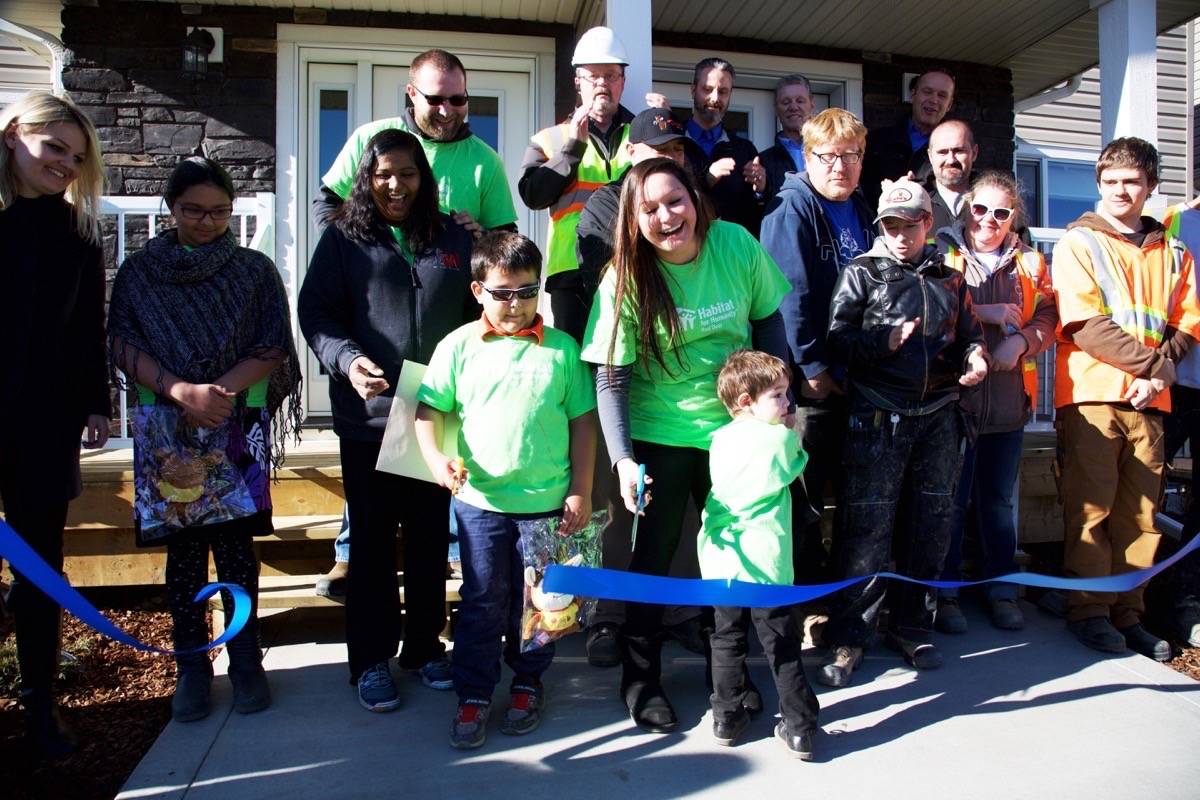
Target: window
1056, 186
334, 126
1071, 190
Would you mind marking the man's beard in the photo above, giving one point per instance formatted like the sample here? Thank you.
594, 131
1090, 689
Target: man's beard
440, 130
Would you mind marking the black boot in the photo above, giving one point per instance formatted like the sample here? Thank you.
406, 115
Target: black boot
38, 624
49, 737
250, 690
193, 688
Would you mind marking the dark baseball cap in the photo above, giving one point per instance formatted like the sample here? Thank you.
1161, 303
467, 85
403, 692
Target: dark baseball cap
654, 126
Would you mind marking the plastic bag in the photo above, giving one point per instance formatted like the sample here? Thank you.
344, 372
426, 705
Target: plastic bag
187, 476
547, 616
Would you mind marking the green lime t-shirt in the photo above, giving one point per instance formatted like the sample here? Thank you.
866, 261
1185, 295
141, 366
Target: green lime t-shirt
516, 399
469, 173
731, 282
746, 527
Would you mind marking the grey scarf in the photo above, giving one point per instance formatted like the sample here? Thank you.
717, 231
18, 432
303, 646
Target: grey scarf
201, 311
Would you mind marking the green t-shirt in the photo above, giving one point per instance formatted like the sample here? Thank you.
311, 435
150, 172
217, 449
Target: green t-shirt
515, 399
746, 527
256, 395
469, 173
731, 282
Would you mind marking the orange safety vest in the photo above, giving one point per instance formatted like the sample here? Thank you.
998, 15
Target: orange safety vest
1031, 267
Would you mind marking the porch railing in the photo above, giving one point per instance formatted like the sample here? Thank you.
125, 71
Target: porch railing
1044, 240
133, 220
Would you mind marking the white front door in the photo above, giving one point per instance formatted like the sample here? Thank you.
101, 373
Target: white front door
344, 89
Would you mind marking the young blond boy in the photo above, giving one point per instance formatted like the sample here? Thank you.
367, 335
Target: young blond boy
746, 535
527, 446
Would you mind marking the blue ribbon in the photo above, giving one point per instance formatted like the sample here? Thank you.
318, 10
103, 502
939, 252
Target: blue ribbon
613, 584
34, 569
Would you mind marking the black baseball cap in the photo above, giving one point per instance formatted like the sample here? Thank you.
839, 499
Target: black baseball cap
654, 126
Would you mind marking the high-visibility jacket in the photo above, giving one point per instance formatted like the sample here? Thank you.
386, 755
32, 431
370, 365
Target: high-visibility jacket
595, 170
1031, 271
1142, 289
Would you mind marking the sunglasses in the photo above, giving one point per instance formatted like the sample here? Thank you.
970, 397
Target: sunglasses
979, 211
506, 295
457, 100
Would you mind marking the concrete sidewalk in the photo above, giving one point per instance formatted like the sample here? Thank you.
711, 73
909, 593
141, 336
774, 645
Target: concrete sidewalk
1011, 715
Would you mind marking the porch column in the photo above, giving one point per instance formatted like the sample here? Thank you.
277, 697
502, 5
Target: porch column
1128, 69
630, 20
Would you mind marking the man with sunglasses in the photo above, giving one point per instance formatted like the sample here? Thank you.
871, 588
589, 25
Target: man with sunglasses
472, 185
472, 188
565, 163
902, 148
817, 224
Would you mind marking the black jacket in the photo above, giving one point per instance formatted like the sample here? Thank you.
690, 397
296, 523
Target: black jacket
890, 156
874, 294
732, 198
364, 298
778, 163
52, 327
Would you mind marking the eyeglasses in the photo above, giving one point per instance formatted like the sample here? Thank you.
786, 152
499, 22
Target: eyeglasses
457, 100
197, 213
847, 158
979, 211
506, 295
608, 77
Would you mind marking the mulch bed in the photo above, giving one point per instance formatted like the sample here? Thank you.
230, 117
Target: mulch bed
116, 698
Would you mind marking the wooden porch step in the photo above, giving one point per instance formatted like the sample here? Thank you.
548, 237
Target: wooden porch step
299, 591
103, 554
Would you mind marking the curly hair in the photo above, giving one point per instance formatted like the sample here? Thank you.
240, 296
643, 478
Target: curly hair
360, 218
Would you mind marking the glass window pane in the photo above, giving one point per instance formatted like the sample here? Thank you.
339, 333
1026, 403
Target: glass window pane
1072, 191
333, 126
1029, 177
485, 119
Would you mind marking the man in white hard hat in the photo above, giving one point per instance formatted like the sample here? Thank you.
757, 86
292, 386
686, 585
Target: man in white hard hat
565, 163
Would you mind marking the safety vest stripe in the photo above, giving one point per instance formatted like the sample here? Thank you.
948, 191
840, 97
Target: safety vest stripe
1136, 319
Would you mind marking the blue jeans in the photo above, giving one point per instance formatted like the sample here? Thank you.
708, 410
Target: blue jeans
492, 593
989, 477
341, 545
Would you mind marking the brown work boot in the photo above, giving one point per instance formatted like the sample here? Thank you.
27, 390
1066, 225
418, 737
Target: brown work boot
333, 583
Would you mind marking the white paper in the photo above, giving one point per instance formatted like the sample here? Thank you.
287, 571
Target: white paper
400, 453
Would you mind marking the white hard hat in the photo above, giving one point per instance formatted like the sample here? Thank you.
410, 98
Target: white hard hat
599, 45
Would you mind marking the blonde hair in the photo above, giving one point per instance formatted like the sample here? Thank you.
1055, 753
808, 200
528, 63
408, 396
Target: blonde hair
37, 111
833, 125
1005, 183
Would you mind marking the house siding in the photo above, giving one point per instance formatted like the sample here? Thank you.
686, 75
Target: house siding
21, 70
1074, 122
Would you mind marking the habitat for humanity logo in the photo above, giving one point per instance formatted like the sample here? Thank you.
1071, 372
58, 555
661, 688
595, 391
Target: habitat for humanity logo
707, 317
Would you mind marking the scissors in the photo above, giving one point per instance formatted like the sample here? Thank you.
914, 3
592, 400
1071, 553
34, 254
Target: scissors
641, 504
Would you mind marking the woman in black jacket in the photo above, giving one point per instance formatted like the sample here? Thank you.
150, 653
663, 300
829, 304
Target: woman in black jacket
55, 382
388, 280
